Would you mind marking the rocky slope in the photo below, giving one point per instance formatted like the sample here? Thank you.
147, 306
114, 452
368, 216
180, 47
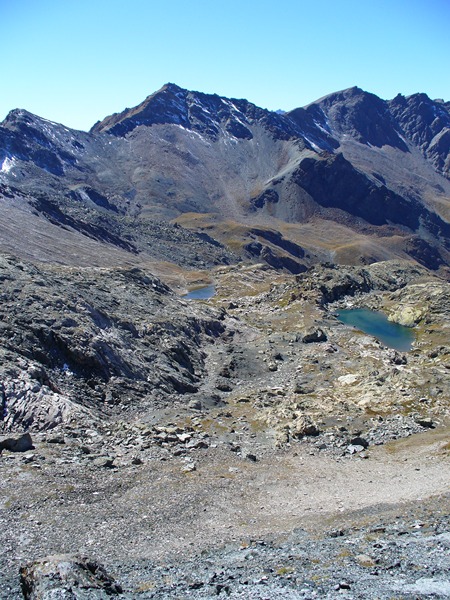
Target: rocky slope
367, 171
77, 344
249, 446
228, 447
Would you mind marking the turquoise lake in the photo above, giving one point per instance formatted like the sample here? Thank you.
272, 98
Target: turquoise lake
376, 324
203, 293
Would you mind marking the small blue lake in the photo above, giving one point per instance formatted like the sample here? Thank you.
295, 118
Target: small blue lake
376, 323
203, 293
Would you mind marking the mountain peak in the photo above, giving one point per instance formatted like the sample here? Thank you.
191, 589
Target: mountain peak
166, 105
340, 96
206, 114
361, 115
172, 87
174, 105
19, 115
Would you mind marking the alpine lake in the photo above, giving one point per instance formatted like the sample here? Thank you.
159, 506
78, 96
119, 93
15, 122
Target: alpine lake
368, 321
201, 293
376, 324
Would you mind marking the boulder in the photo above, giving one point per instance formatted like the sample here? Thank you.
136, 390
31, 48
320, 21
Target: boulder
106, 462
398, 359
355, 448
189, 467
195, 404
425, 422
408, 316
314, 334
359, 441
22, 443
303, 426
365, 561
71, 577
303, 387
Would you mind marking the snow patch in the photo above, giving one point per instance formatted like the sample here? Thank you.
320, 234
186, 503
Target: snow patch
191, 132
48, 121
7, 165
317, 124
314, 146
194, 101
236, 118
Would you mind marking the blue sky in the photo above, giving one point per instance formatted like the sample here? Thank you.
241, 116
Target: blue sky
76, 61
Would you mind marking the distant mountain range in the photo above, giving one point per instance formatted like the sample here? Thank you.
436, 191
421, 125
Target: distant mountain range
196, 180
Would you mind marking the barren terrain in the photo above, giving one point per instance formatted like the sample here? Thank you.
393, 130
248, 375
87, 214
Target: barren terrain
259, 463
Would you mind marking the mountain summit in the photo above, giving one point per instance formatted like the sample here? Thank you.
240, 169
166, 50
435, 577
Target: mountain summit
350, 178
206, 114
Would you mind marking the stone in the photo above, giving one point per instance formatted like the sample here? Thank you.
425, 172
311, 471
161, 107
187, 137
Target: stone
281, 437
234, 447
301, 387
303, 426
343, 585
224, 386
354, 449
20, 444
242, 400
58, 439
71, 577
189, 467
348, 379
196, 444
225, 372
359, 441
398, 359
408, 316
365, 561
36, 372
425, 422
336, 533
314, 334
106, 462
195, 404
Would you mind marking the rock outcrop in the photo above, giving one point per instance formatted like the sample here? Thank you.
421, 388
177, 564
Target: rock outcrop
75, 342
67, 576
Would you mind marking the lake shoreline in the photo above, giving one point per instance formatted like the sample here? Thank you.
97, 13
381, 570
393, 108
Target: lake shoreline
376, 324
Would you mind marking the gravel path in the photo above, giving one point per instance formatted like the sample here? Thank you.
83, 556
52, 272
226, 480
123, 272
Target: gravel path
287, 514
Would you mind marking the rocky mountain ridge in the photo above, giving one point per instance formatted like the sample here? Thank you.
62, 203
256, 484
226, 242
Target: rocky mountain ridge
371, 172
